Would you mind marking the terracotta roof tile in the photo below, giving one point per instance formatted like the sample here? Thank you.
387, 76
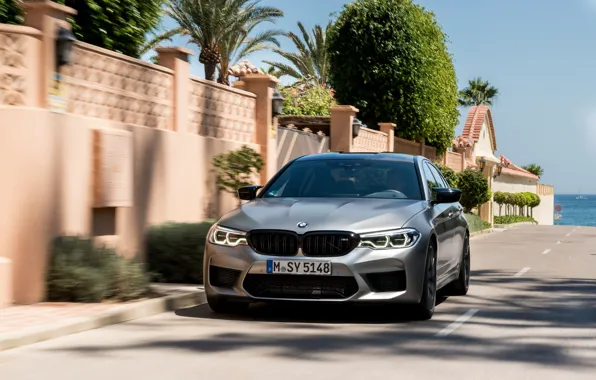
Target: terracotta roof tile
512, 169
476, 117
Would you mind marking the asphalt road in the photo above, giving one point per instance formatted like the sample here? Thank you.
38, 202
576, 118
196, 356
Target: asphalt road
530, 314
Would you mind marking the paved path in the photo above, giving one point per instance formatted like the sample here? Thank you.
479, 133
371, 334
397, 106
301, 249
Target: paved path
531, 314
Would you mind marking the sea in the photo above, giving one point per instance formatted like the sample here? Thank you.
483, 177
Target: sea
577, 209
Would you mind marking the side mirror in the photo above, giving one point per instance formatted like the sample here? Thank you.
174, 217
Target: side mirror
445, 195
248, 193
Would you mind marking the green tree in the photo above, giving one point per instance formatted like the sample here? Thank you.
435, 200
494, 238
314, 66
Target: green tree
449, 174
10, 12
311, 62
272, 71
534, 169
118, 25
500, 199
211, 24
235, 169
474, 188
307, 99
479, 92
389, 59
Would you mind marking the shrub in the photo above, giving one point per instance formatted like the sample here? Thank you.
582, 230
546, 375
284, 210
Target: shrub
509, 219
398, 53
235, 168
307, 100
78, 271
475, 223
175, 252
474, 188
524, 200
449, 174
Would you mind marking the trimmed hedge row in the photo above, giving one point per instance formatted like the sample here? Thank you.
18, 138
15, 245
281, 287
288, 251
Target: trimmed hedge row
510, 219
524, 202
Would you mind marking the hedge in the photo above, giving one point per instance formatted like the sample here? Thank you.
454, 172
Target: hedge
510, 219
517, 203
79, 271
175, 252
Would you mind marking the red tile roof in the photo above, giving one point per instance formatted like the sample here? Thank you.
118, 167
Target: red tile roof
512, 169
474, 122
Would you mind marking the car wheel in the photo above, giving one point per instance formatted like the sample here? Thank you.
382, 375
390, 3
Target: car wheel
426, 307
224, 306
460, 286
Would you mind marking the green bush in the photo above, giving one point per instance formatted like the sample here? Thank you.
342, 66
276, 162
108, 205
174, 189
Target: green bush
307, 100
175, 252
449, 174
389, 59
524, 201
474, 188
509, 219
475, 223
78, 271
236, 169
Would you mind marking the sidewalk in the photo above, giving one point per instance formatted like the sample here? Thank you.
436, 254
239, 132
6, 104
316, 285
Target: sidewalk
21, 325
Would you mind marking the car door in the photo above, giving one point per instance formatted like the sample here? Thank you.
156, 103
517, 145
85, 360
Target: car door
440, 216
453, 232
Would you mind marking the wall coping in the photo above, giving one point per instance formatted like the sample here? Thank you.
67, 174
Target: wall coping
373, 131
109, 53
20, 29
40, 4
222, 87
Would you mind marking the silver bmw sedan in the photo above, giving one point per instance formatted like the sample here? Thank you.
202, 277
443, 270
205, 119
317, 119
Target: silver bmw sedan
342, 227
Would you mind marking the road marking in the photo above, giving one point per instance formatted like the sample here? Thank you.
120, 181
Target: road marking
546, 251
521, 272
457, 323
568, 234
559, 242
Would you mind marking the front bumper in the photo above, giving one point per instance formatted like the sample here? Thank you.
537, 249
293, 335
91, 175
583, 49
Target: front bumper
363, 275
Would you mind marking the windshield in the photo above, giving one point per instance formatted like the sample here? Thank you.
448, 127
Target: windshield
347, 178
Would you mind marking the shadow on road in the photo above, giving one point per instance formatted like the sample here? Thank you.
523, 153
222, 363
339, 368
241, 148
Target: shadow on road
503, 330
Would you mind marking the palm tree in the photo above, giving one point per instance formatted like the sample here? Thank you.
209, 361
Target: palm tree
238, 44
534, 169
210, 24
312, 61
272, 71
479, 92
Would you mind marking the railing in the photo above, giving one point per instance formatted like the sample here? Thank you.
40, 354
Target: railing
544, 190
370, 140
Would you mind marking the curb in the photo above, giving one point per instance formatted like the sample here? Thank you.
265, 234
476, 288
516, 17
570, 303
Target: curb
514, 225
122, 314
483, 232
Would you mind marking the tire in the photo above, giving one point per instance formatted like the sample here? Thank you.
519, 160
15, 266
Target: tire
460, 286
224, 306
425, 309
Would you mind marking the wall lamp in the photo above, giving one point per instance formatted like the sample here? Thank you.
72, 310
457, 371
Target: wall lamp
64, 42
482, 163
277, 103
499, 170
356, 125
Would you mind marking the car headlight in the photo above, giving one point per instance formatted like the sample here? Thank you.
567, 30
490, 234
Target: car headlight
226, 236
402, 238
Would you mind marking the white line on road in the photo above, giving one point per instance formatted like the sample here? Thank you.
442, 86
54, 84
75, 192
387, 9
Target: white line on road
559, 242
457, 323
546, 251
521, 272
568, 234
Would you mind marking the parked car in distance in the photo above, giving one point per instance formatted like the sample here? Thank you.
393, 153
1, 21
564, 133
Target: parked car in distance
342, 227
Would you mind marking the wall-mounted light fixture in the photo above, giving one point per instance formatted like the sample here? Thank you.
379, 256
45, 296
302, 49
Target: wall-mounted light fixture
482, 163
64, 43
356, 125
277, 103
499, 170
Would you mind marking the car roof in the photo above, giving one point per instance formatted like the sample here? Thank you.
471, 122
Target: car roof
381, 156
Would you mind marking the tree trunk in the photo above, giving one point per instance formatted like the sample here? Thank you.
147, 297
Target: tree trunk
210, 69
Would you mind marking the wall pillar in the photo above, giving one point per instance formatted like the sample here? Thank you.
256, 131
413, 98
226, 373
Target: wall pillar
176, 59
422, 143
263, 85
389, 129
486, 210
6, 298
46, 16
340, 134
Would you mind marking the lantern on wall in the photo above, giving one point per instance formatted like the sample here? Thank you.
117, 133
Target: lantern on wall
499, 170
482, 162
356, 125
64, 42
277, 103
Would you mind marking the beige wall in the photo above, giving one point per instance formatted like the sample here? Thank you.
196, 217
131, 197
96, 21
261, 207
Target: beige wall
544, 213
47, 161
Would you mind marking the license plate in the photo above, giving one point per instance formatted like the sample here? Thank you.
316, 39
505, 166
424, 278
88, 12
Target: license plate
298, 267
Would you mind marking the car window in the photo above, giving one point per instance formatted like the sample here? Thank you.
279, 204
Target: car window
431, 181
438, 177
349, 177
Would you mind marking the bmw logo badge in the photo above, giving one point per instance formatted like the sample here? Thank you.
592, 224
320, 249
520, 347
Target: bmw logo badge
302, 224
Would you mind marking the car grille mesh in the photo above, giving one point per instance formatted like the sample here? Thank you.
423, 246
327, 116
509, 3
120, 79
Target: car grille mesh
387, 281
223, 277
300, 287
314, 244
274, 243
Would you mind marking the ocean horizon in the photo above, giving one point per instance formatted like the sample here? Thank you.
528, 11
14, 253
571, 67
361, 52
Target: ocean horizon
576, 211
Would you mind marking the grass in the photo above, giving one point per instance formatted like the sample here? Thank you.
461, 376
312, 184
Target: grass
476, 224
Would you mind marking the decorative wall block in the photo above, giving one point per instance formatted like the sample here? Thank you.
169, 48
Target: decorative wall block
13, 69
112, 168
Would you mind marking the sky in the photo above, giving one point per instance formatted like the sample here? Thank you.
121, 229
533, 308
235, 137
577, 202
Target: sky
540, 54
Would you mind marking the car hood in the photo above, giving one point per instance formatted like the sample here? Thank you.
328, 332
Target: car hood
343, 214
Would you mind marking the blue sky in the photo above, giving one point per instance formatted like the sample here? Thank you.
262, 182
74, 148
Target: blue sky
541, 54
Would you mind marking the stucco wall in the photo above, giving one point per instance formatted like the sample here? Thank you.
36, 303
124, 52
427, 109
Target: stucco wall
544, 213
47, 165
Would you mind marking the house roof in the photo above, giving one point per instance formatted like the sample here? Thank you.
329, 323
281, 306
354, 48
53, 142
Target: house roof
512, 169
476, 117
